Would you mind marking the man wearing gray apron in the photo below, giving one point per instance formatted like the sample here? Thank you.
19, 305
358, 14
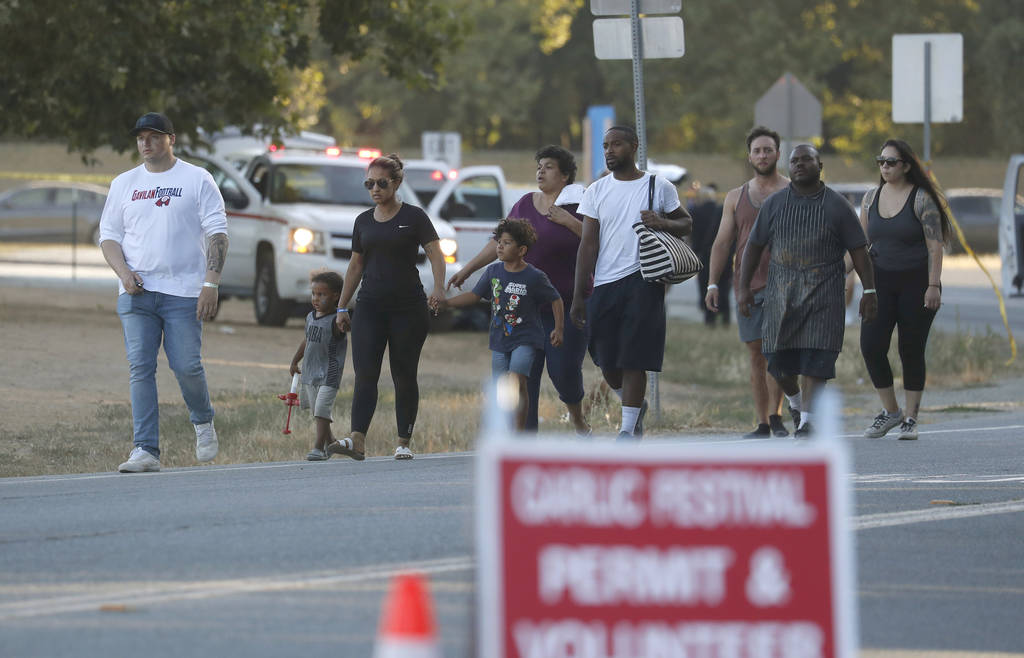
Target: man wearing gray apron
808, 228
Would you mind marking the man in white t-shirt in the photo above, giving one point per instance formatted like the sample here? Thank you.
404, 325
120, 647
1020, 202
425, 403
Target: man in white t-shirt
625, 314
164, 233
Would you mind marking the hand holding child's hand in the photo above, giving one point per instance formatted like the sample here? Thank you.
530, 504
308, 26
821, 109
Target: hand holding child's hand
556, 337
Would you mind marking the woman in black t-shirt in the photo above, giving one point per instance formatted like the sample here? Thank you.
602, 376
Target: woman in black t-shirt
906, 225
393, 310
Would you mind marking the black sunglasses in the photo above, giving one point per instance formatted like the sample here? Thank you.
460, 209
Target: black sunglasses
892, 162
382, 183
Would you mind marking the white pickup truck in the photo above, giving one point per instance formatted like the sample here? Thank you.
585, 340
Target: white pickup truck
291, 212
1011, 227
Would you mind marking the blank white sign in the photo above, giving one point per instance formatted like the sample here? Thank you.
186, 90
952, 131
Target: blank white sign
622, 7
662, 37
947, 74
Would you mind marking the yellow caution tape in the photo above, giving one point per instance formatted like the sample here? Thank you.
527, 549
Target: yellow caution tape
102, 179
967, 248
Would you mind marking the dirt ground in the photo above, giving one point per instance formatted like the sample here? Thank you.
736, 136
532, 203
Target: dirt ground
63, 356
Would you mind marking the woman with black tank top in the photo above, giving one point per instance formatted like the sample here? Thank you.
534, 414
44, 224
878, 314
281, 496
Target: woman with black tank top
392, 307
906, 225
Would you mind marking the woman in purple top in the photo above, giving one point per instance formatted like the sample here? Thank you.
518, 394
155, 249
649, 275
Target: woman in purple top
552, 213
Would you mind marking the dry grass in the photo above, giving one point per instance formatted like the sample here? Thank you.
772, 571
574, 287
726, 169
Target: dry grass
704, 388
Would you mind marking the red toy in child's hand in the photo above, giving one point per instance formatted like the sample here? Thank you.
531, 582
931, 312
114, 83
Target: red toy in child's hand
291, 399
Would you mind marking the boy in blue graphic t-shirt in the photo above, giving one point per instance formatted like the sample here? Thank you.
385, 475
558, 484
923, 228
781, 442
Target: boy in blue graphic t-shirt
516, 291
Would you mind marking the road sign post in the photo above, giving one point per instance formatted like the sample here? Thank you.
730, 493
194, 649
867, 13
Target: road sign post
650, 37
790, 109
603, 551
927, 81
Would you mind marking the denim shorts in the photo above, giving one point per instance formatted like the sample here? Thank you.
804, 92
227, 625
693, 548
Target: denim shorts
750, 328
519, 361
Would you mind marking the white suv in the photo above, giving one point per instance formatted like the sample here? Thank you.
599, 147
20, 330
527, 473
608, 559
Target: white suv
291, 212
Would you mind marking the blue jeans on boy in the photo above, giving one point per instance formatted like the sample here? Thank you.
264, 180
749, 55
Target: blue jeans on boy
564, 364
519, 361
147, 319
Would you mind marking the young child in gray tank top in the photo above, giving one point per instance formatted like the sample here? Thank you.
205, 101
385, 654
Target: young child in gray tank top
322, 353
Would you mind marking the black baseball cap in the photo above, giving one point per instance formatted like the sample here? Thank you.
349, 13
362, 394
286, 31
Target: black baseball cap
153, 121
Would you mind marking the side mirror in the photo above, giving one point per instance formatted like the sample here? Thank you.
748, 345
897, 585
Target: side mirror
234, 199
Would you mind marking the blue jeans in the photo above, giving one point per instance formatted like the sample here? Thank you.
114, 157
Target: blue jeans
148, 318
519, 361
565, 364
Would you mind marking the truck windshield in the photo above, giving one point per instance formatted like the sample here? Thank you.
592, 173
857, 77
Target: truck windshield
319, 183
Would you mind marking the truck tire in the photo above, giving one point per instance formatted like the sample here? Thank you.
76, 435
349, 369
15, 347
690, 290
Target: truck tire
271, 311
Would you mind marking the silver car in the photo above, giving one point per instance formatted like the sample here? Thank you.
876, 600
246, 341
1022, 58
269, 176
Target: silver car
47, 210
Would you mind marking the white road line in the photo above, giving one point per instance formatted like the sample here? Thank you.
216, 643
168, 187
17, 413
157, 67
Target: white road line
424, 457
192, 470
187, 591
887, 519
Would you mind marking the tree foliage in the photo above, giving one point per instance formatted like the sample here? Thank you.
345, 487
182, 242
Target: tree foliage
83, 71
503, 73
527, 73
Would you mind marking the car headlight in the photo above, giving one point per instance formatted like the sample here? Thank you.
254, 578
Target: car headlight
449, 249
306, 241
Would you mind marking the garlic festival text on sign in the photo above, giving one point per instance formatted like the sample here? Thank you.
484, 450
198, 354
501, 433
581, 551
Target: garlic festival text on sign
664, 551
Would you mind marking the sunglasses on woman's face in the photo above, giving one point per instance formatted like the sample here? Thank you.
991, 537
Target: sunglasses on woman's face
890, 162
382, 183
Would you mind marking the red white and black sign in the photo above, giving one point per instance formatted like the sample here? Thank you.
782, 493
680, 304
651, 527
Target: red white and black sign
664, 551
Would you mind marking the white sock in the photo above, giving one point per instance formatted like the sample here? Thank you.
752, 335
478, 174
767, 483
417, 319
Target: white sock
805, 417
618, 392
794, 401
629, 416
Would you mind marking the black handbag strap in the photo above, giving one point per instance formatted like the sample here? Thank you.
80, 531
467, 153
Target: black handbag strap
650, 192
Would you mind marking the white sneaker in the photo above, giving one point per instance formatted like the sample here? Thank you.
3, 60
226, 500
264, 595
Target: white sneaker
139, 461
882, 423
403, 452
206, 442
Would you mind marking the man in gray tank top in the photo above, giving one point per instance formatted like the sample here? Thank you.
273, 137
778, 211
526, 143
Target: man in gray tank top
738, 214
809, 229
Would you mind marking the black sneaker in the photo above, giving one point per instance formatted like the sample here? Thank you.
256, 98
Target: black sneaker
795, 415
638, 429
805, 432
626, 436
776, 426
763, 431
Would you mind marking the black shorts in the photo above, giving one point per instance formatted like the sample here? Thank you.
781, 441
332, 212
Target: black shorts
802, 361
627, 324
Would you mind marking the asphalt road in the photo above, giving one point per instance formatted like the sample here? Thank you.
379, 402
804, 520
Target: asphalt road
969, 303
294, 558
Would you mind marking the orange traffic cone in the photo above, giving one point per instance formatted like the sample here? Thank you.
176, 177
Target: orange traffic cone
407, 628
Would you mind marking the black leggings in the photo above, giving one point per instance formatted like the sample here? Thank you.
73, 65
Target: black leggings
403, 331
900, 304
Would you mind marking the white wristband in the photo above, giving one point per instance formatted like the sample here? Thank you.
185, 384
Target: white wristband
869, 291
712, 286
210, 284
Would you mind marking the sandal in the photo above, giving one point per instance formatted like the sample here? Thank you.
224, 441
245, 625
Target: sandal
403, 452
346, 448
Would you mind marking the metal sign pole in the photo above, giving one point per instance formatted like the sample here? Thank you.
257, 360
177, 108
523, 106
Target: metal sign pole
638, 82
927, 103
653, 390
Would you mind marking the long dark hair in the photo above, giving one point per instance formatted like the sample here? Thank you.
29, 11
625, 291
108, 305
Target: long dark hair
918, 177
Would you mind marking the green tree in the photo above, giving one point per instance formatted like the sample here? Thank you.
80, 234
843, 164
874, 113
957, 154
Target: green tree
83, 71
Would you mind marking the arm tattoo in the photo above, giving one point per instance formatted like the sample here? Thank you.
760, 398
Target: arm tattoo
869, 198
217, 252
928, 214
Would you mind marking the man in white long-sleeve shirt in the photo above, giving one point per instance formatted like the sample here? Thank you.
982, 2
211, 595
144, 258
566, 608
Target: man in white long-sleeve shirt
164, 233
